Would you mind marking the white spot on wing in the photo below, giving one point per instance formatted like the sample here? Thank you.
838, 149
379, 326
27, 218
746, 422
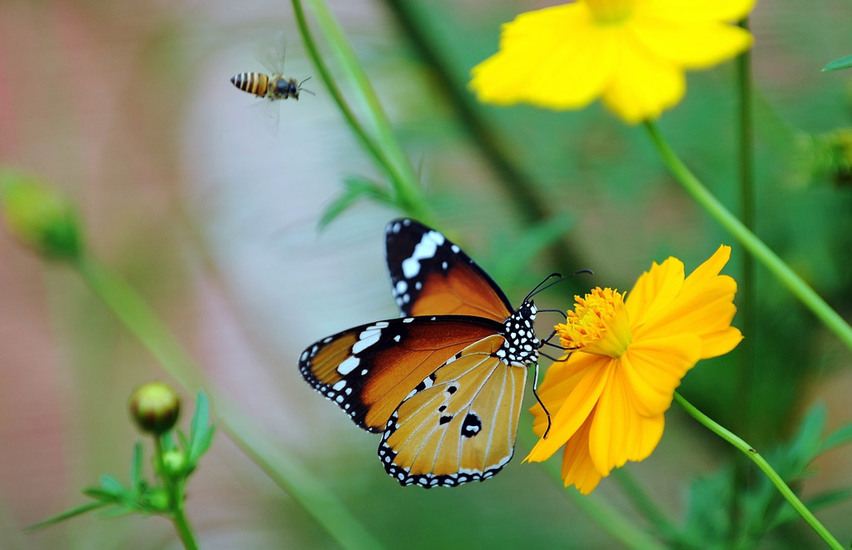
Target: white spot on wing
425, 249
348, 366
367, 338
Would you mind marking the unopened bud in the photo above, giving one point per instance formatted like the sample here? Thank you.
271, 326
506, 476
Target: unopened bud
155, 407
174, 463
39, 216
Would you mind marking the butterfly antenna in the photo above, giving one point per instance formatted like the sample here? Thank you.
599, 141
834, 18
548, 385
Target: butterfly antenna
547, 283
540, 402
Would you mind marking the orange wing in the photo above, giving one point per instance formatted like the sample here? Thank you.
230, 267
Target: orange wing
459, 425
432, 276
369, 370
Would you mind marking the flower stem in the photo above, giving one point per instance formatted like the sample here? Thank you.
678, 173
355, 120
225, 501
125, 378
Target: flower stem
746, 302
321, 503
175, 492
385, 149
755, 246
764, 466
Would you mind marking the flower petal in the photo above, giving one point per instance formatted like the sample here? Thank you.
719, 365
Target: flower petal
577, 466
619, 432
695, 10
568, 399
644, 84
654, 289
692, 45
703, 307
552, 58
653, 368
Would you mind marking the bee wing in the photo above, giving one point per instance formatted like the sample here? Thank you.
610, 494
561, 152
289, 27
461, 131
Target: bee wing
269, 112
273, 57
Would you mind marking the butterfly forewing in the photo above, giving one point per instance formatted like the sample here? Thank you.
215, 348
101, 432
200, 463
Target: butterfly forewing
432, 276
445, 382
369, 370
459, 425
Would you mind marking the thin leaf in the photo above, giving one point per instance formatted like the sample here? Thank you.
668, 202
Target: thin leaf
200, 431
203, 443
354, 190
74, 512
839, 437
112, 486
104, 496
837, 64
136, 466
200, 417
823, 500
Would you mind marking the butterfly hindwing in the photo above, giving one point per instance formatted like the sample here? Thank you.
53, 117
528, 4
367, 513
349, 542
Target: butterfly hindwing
445, 382
369, 370
432, 276
459, 424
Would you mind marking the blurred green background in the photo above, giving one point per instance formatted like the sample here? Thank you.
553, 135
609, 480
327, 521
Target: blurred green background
188, 191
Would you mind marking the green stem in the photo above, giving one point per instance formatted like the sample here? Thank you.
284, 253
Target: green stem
609, 519
764, 466
175, 492
755, 246
143, 323
746, 302
403, 176
325, 73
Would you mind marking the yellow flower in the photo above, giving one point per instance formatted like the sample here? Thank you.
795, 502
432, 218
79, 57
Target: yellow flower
608, 398
632, 53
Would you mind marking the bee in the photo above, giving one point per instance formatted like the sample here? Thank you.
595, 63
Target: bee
273, 87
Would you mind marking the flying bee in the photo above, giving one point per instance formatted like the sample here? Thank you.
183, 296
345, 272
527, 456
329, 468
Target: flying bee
272, 87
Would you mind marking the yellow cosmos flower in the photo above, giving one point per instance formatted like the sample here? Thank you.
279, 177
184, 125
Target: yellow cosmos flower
608, 398
631, 53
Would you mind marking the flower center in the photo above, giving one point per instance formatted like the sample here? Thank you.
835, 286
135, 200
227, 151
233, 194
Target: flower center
599, 324
611, 11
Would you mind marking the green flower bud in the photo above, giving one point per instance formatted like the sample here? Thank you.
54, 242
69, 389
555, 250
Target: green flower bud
155, 407
174, 463
39, 217
158, 499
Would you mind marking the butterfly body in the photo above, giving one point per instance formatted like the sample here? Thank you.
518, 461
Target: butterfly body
444, 383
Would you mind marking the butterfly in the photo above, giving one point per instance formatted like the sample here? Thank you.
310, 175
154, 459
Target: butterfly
443, 383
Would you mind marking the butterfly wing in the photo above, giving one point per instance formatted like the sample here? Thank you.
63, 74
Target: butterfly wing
432, 276
459, 424
369, 370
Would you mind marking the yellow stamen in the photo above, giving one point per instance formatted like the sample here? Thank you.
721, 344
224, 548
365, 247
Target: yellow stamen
599, 324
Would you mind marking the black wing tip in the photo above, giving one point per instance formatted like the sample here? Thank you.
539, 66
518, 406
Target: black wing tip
395, 226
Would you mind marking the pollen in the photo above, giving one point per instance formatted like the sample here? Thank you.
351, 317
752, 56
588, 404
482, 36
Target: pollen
611, 11
598, 324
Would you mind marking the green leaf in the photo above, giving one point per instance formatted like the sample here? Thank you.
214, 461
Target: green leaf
200, 417
200, 431
823, 500
112, 486
837, 64
355, 188
839, 437
74, 512
136, 466
707, 523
